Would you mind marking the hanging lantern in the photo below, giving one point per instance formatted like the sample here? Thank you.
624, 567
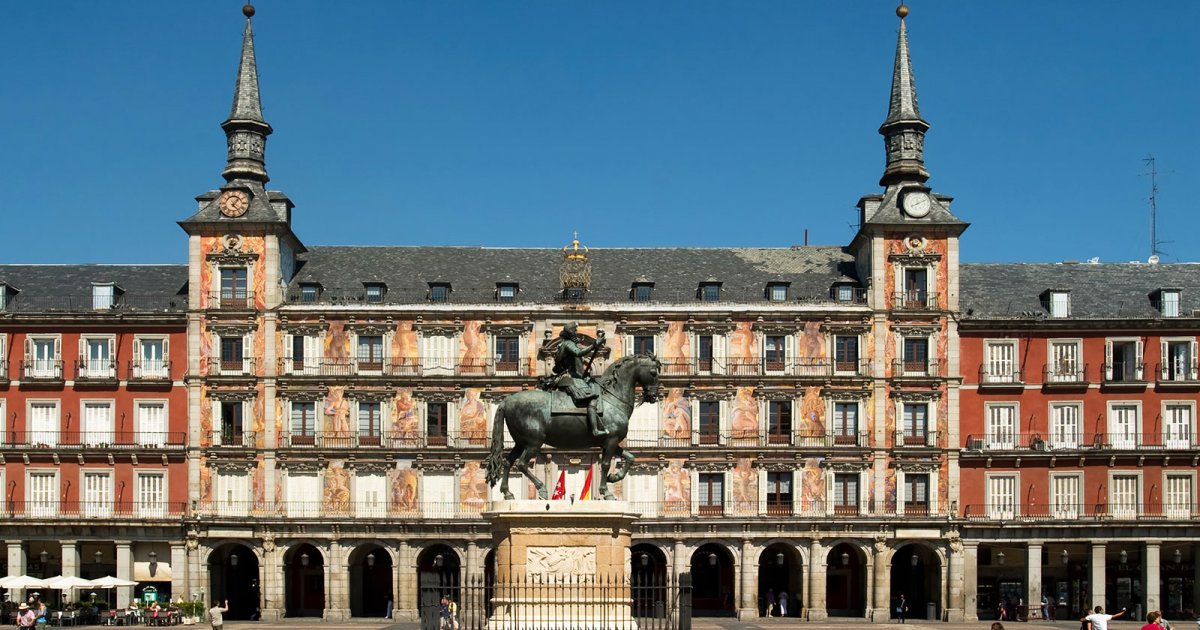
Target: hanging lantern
1000, 558
644, 559
845, 559
1066, 558
779, 558
1178, 556
99, 556
913, 560
371, 559
712, 559
1124, 556
438, 560
233, 559
303, 559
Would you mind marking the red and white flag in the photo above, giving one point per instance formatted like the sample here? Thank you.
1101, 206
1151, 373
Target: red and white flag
560, 489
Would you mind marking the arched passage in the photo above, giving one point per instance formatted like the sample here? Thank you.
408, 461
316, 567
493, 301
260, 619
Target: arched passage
917, 575
846, 582
304, 581
780, 580
233, 575
438, 569
712, 581
648, 575
370, 581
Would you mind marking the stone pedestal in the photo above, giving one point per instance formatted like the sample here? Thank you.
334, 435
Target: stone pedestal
561, 564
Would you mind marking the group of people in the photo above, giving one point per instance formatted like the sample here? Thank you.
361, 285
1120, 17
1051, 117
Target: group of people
32, 613
448, 613
777, 604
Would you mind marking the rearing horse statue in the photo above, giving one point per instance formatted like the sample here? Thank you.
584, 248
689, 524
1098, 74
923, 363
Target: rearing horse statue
528, 415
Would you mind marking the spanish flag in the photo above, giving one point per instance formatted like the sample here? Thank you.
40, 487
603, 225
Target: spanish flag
587, 487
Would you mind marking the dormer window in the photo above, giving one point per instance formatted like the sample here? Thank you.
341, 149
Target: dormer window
439, 291
374, 291
777, 291
103, 295
310, 292
574, 294
4, 293
641, 291
843, 293
506, 291
1060, 303
710, 291
1169, 302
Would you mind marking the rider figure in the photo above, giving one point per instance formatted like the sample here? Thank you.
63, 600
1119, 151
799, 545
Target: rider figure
568, 360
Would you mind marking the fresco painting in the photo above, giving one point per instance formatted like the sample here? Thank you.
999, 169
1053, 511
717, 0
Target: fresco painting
677, 488
337, 343
279, 420
405, 347
943, 498
206, 418
337, 487
812, 412
337, 413
205, 484
676, 347
406, 423
942, 416
472, 418
889, 352
889, 490
258, 417
812, 343
206, 349
743, 344
744, 424
744, 487
472, 486
472, 348
258, 482
889, 422
812, 483
405, 485
677, 416
258, 350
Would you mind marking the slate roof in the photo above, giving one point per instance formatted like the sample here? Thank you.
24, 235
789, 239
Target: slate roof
37, 288
1098, 291
473, 272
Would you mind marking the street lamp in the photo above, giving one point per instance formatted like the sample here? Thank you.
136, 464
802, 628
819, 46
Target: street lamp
1124, 556
1066, 558
44, 556
1178, 556
438, 560
153, 556
1000, 557
712, 559
644, 559
370, 559
779, 558
845, 559
233, 559
303, 559
99, 556
913, 559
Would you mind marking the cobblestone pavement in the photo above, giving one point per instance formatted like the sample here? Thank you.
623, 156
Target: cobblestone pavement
704, 624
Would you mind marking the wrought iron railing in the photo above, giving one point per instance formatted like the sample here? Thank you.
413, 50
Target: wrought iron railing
1000, 441
93, 439
91, 510
1012, 511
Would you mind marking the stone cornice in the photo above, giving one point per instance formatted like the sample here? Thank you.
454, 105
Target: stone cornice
915, 395
438, 329
307, 394
437, 395
370, 395
641, 328
232, 395
371, 328
833, 393
709, 328
509, 329
709, 394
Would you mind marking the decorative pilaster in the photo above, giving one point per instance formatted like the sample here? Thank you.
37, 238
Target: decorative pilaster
1151, 564
180, 583
271, 580
70, 557
1099, 572
678, 557
337, 576
748, 607
1033, 578
406, 583
817, 581
970, 582
881, 583
124, 571
956, 590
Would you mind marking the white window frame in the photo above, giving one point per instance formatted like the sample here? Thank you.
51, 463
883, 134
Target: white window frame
311, 364
763, 494
723, 501
1071, 510
1170, 307
383, 417
95, 367
645, 425
830, 487
247, 355
833, 353
438, 352
104, 295
720, 351
91, 506
219, 422
43, 367
931, 430
931, 357
289, 427
42, 436
831, 414
993, 372
36, 506
385, 343
1061, 439
151, 368
141, 507
225, 502
902, 488
998, 510
1064, 372
1168, 369
1125, 512
723, 419
903, 292
789, 353
310, 505
999, 437
1127, 439
145, 438
92, 437
364, 507
1060, 304
4, 434
1139, 352
1172, 438
1178, 507
522, 353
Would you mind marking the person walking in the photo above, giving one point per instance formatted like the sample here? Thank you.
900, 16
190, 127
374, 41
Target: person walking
770, 602
783, 603
902, 608
1098, 620
216, 615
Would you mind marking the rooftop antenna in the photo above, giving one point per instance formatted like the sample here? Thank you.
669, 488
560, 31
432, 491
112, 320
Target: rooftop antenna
1153, 173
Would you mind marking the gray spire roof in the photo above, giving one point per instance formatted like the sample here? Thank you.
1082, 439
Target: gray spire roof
904, 130
246, 103
245, 128
903, 104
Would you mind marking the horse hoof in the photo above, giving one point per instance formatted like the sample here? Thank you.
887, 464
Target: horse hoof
613, 478
508, 496
608, 496
542, 495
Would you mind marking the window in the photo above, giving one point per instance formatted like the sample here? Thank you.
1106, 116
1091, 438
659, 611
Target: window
1000, 362
506, 292
779, 421
1060, 304
42, 493
508, 351
1123, 425
1001, 427
151, 494
710, 421
1169, 301
150, 357
777, 291
231, 493
843, 293
97, 425
574, 294
1065, 496
370, 353
916, 423
916, 355
1178, 360
95, 357
845, 494
916, 287
309, 292
439, 292
643, 344
370, 423
642, 291
370, 492
97, 493
1066, 431
710, 291
1123, 361
3, 297
1064, 366
233, 359
306, 355
374, 292
303, 492
103, 296
1178, 496
704, 353
712, 494
233, 286
231, 422
774, 353
1002, 496
1177, 424
1124, 499
151, 423
845, 354
304, 423
43, 423
916, 493
845, 423
779, 493
437, 422
42, 355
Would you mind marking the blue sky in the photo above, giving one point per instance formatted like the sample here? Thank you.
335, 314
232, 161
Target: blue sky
689, 123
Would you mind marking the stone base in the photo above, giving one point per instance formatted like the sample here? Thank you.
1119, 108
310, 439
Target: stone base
955, 615
817, 614
271, 615
879, 615
336, 615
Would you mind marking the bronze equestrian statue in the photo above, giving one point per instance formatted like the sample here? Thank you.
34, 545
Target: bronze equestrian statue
572, 376
536, 418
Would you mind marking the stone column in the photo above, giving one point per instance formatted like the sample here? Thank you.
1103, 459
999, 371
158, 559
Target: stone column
817, 581
17, 563
124, 571
406, 582
472, 597
180, 584
1099, 573
1151, 584
337, 587
1195, 572
748, 608
70, 557
679, 559
271, 579
881, 585
1033, 579
970, 581
955, 589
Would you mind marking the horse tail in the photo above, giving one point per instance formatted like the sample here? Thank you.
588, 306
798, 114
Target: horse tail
495, 458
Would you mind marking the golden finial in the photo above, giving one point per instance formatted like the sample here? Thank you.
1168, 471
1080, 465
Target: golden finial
248, 10
901, 11
573, 252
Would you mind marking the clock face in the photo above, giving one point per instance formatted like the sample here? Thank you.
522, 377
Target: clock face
916, 204
233, 203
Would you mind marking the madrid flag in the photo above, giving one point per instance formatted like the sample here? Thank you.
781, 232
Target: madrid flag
560, 489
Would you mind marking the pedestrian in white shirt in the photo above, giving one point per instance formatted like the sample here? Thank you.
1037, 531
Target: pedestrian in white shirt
1099, 621
216, 615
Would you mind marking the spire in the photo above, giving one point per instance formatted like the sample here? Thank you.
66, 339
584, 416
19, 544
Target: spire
246, 130
904, 130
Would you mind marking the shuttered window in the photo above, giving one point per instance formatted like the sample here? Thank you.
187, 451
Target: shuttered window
1065, 428
1002, 496
97, 493
1124, 498
1178, 496
42, 493
97, 427
151, 494
1065, 496
152, 423
43, 423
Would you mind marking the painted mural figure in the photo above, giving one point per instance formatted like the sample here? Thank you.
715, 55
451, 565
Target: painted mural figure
575, 377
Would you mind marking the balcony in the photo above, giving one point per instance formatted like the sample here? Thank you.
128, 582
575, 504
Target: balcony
1131, 375
915, 301
95, 372
244, 367
92, 440
1178, 374
814, 368
907, 369
397, 367
234, 439
46, 371
1041, 512
1060, 442
235, 300
149, 372
990, 378
1066, 374
322, 510
91, 510
916, 439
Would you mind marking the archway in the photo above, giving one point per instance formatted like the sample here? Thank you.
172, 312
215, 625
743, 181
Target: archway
917, 575
846, 582
233, 575
648, 577
370, 581
712, 581
438, 570
780, 580
304, 581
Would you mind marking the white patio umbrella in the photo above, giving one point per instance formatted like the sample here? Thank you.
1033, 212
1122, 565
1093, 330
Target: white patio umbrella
109, 581
67, 582
21, 581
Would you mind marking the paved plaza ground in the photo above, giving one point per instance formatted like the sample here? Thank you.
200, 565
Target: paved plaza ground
706, 623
